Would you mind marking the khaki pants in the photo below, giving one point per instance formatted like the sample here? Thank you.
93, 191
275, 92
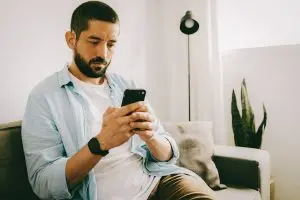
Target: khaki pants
181, 187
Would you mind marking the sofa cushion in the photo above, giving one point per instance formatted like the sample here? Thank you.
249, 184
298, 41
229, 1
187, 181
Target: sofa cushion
196, 147
238, 193
235, 171
13, 175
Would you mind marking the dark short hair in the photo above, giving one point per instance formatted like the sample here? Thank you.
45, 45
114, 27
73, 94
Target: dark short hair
91, 10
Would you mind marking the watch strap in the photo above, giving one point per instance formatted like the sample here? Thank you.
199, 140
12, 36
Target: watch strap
95, 147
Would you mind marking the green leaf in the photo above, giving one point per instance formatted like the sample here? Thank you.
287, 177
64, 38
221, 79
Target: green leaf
260, 130
247, 116
237, 125
247, 113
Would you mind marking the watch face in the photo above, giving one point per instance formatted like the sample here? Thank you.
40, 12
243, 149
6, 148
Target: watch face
95, 147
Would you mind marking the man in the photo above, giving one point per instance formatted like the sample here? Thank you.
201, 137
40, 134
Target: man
80, 144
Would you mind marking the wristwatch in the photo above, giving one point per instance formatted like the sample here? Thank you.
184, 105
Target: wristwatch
95, 147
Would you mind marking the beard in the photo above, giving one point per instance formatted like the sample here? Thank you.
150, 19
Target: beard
92, 68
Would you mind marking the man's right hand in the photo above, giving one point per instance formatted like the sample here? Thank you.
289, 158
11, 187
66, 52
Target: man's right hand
115, 126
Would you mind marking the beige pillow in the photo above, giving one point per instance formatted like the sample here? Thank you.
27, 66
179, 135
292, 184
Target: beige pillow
196, 146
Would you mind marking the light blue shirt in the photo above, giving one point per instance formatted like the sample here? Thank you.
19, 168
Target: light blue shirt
55, 127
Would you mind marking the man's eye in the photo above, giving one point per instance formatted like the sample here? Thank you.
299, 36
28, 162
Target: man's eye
110, 45
94, 42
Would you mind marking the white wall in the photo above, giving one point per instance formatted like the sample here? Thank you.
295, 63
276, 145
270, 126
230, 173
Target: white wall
166, 74
32, 46
257, 23
272, 78
167, 60
259, 40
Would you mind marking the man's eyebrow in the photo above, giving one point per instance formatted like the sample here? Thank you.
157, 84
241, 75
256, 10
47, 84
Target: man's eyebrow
97, 38
94, 37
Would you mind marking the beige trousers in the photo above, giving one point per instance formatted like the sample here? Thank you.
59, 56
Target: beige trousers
181, 187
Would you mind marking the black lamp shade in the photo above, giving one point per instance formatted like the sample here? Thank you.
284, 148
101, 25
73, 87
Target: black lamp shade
184, 28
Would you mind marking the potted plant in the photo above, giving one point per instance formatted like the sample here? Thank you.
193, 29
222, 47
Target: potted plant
245, 134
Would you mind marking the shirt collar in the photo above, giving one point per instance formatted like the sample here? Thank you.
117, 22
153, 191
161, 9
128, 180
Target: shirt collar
65, 79
63, 76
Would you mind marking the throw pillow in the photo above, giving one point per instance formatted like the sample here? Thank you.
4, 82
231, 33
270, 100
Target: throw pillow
196, 147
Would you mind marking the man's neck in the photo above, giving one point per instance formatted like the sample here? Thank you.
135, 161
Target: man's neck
78, 74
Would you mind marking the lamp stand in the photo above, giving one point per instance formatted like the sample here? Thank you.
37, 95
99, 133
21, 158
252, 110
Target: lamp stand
189, 78
189, 26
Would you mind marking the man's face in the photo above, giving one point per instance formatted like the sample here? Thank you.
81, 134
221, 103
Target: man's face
95, 47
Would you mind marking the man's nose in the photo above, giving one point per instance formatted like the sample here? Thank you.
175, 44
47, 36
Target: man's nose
102, 51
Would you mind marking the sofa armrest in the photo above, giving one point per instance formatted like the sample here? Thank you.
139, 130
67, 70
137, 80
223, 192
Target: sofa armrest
243, 166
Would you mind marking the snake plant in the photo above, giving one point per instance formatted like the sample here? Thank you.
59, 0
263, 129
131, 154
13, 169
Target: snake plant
243, 126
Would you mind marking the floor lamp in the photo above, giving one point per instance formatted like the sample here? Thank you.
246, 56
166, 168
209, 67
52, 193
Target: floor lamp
189, 26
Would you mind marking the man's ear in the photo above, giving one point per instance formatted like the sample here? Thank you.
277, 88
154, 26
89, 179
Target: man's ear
70, 37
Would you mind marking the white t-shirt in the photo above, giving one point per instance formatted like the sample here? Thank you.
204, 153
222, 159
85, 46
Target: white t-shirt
119, 174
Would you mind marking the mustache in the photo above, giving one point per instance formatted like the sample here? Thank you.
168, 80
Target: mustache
98, 60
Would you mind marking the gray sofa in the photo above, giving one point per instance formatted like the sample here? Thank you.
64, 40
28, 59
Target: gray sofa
245, 171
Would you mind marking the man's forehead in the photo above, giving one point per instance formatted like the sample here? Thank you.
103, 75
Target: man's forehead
103, 30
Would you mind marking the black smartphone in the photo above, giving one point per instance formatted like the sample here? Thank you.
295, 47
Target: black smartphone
133, 95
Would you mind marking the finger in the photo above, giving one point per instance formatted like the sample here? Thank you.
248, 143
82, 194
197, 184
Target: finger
142, 116
109, 110
145, 134
125, 110
124, 120
108, 114
141, 125
143, 108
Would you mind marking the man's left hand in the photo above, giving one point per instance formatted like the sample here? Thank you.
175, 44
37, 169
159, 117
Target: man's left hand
143, 123
159, 148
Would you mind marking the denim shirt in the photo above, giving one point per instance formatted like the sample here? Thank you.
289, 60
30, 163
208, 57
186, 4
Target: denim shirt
55, 127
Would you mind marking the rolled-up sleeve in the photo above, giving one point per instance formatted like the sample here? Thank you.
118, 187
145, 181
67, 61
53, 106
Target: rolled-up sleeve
44, 151
159, 130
